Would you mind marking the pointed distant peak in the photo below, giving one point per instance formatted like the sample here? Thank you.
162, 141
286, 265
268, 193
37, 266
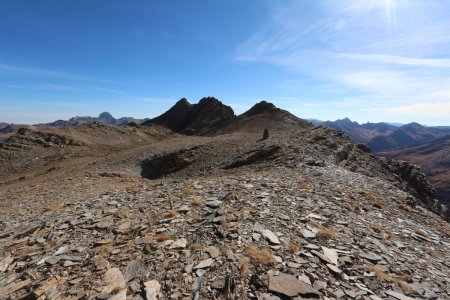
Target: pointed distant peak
183, 101
105, 115
260, 108
413, 124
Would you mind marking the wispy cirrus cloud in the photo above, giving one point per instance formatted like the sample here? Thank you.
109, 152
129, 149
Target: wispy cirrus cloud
389, 54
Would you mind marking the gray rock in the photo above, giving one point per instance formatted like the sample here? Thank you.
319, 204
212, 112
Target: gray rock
52, 260
152, 290
132, 270
371, 257
179, 244
290, 286
206, 263
273, 239
307, 234
213, 204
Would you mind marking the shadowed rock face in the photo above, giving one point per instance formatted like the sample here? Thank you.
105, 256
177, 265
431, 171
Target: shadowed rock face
174, 117
194, 118
167, 163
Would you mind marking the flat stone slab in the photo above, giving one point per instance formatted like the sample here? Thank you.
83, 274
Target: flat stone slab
290, 286
206, 263
272, 237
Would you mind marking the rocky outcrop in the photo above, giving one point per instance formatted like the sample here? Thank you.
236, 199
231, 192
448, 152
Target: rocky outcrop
197, 118
209, 112
174, 117
166, 163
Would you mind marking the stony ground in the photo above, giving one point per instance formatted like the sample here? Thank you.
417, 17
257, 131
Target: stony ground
289, 225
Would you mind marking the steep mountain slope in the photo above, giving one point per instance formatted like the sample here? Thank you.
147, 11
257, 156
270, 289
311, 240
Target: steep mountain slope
174, 117
407, 135
140, 212
194, 118
262, 115
434, 159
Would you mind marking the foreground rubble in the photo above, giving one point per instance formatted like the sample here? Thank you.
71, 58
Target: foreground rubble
279, 233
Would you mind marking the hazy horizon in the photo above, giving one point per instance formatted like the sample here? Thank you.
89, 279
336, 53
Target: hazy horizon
370, 61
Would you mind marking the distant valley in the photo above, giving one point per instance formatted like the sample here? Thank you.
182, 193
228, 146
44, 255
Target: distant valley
427, 147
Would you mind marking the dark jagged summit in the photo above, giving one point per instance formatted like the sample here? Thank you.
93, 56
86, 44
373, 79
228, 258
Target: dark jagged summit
174, 117
209, 112
194, 118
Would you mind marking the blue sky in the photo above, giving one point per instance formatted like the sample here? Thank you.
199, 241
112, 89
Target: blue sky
371, 60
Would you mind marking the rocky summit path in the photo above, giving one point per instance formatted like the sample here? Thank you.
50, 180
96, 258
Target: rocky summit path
297, 216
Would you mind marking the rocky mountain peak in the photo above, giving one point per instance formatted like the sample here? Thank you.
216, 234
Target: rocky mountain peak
260, 108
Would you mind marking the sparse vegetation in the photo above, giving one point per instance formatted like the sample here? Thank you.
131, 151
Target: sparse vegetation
162, 237
105, 250
325, 231
197, 217
171, 214
259, 256
419, 231
378, 204
369, 195
195, 246
244, 267
434, 253
294, 247
380, 272
197, 201
188, 192
444, 231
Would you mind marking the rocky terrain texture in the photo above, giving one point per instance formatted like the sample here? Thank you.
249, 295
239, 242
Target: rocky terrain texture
434, 158
140, 212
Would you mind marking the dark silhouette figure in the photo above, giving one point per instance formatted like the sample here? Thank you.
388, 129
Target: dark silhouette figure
266, 134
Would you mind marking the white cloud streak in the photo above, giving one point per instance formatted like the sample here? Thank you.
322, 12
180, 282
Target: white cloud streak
394, 59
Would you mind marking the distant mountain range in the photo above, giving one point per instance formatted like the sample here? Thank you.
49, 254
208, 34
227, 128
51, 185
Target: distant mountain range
104, 117
383, 136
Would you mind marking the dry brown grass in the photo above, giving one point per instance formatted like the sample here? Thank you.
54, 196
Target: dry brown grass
162, 237
188, 192
244, 267
379, 271
369, 195
444, 231
404, 207
294, 247
105, 250
378, 204
53, 207
172, 213
197, 217
259, 256
121, 212
378, 228
434, 253
418, 231
197, 201
325, 231
195, 246
225, 225
367, 207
